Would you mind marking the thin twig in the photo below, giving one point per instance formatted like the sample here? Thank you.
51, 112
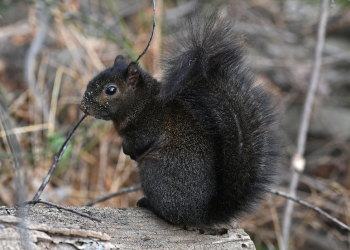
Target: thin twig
57, 158
308, 205
154, 25
33, 202
107, 197
306, 119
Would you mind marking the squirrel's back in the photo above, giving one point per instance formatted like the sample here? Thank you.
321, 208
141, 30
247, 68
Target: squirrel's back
205, 71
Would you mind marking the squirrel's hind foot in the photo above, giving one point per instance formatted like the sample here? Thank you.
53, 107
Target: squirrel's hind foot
211, 230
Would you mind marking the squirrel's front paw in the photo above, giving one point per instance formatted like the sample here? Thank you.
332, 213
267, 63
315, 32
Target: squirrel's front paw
143, 202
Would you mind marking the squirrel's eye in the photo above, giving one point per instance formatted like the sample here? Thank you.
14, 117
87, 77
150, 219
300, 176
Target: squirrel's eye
111, 90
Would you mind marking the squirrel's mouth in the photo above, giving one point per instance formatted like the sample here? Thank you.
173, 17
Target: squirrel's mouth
100, 114
84, 108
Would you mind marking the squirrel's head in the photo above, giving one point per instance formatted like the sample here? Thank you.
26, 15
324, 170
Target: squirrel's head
111, 94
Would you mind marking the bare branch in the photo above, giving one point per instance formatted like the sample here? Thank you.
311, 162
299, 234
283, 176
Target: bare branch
120, 192
154, 25
308, 205
33, 202
57, 158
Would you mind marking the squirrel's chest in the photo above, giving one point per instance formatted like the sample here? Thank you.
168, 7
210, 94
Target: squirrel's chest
136, 144
154, 127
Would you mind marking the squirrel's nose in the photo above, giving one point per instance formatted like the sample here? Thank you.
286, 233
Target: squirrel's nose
84, 109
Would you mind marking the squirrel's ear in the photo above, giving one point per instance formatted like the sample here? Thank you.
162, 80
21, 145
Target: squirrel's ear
133, 74
119, 60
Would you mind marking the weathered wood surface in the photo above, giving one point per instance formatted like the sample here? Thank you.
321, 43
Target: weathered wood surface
122, 228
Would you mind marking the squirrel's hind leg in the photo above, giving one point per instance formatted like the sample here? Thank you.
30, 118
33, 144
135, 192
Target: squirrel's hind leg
144, 202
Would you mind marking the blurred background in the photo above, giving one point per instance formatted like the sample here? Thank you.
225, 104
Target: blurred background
49, 50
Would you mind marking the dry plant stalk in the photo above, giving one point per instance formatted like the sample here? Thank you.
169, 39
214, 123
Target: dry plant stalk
298, 157
19, 175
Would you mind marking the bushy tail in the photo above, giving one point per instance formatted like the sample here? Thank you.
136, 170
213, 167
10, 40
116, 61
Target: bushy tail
204, 48
205, 71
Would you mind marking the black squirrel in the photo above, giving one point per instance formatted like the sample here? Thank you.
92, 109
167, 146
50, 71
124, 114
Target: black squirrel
204, 138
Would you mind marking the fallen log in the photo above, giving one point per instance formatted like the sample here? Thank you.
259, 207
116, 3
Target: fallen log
121, 228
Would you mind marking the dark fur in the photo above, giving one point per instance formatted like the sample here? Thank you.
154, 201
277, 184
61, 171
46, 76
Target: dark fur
204, 138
